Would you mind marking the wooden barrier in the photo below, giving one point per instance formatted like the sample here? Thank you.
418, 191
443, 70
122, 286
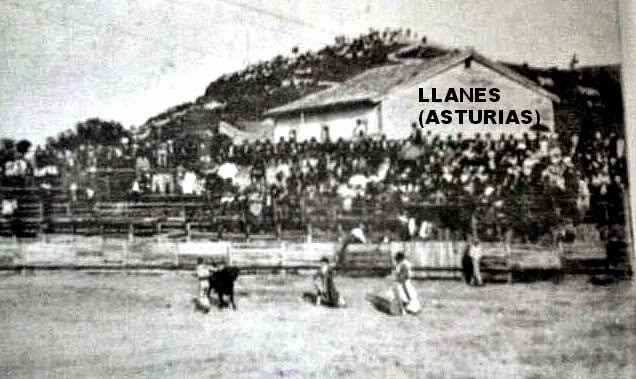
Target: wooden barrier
367, 257
532, 256
263, 254
430, 258
590, 250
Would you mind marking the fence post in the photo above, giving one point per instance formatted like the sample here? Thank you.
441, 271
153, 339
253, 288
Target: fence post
126, 258
561, 255
310, 232
281, 259
228, 253
454, 254
45, 236
446, 248
131, 232
509, 260
279, 230
41, 224
177, 255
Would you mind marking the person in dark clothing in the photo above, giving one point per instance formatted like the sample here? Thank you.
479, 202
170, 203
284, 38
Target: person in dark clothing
326, 292
615, 194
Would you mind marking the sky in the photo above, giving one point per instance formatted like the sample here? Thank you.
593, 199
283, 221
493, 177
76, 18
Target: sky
62, 62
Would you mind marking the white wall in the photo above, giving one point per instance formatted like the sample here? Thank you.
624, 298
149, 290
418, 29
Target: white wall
402, 107
341, 123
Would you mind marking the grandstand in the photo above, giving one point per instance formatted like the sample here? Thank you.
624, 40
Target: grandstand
529, 181
179, 177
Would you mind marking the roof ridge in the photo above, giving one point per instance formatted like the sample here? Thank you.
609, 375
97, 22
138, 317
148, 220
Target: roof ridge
513, 75
375, 83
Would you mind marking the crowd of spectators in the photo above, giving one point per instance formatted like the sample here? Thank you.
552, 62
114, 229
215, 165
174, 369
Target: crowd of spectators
508, 177
534, 174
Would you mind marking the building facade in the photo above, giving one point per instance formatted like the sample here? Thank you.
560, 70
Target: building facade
386, 101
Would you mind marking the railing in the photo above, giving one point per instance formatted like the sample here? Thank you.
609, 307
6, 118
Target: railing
322, 218
177, 223
432, 259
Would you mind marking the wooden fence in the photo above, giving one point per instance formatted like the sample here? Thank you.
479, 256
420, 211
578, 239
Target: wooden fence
431, 259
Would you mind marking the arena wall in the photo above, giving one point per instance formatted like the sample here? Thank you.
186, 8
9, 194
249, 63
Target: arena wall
429, 258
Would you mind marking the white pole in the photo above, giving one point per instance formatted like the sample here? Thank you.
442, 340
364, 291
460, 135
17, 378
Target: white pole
627, 13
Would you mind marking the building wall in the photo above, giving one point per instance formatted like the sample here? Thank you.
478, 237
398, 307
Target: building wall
342, 123
402, 107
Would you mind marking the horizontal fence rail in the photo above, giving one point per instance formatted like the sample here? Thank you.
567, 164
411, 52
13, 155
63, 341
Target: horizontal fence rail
429, 258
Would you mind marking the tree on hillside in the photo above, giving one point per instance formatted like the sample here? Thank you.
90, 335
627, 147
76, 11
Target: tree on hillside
7, 144
92, 131
12, 162
100, 132
23, 147
7, 150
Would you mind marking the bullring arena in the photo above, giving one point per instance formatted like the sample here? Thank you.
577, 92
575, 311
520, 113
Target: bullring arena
93, 306
140, 324
104, 286
302, 217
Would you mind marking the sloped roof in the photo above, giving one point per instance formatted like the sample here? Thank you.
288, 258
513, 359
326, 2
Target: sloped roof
252, 133
372, 85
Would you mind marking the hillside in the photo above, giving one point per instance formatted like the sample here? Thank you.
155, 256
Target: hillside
591, 96
244, 95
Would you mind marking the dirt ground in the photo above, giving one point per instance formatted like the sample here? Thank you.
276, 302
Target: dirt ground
71, 324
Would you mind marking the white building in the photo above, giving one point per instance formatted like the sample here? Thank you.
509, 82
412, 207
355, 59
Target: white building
385, 100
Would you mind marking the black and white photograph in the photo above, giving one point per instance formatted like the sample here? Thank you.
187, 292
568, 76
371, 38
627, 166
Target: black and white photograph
316, 189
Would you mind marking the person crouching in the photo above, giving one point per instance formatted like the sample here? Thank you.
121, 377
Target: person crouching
326, 292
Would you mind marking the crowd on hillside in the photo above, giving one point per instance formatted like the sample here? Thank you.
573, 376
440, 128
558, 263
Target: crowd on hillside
271, 83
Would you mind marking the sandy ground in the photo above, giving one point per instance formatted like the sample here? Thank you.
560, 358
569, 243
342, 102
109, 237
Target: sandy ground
78, 324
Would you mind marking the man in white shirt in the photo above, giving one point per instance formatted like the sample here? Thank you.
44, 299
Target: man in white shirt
405, 294
202, 273
475, 253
